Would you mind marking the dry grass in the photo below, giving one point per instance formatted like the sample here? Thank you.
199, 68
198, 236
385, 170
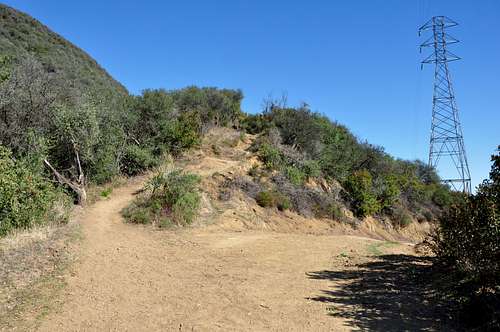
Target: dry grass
30, 274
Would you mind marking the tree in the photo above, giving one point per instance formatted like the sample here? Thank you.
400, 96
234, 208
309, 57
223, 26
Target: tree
26, 99
76, 133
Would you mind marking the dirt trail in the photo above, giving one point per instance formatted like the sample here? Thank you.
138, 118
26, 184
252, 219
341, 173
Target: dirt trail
132, 278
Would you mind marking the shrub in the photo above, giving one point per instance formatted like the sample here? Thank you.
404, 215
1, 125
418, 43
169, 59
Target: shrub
360, 187
273, 199
330, 210
270, 156
171, 196
136, 160
282, 202
255, 123
312, 169
26, 198
468, 240
183, 133
106, 192
295, 175
265, 199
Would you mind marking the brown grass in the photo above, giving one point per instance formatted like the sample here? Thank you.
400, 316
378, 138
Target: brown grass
31, 272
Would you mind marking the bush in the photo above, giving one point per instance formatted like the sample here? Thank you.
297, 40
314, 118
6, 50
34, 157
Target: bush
468, 241
312, 169
265, 199
295, 175
360, 187
330, 210
26, 198
255, 123
282, 202
171, 196
270, 156
183, 133
136, 160
273, 199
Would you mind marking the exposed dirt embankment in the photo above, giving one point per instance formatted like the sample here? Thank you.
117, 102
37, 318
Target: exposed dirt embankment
224, 157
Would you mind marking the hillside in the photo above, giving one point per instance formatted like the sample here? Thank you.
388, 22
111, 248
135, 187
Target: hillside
21, 34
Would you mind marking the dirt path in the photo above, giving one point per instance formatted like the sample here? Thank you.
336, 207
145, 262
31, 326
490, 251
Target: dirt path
133, 278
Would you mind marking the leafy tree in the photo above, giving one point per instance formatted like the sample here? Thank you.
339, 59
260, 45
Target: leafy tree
76, 133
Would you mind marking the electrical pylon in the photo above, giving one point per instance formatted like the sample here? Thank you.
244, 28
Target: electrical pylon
446, 140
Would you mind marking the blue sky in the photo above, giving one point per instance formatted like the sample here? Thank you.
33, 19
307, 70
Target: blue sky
355, 61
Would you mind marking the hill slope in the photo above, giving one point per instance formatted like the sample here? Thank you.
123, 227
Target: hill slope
21, 35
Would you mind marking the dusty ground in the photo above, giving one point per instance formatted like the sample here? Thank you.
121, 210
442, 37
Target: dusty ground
136, 279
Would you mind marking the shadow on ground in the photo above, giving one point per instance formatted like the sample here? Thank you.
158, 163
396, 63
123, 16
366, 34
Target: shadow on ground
392, 293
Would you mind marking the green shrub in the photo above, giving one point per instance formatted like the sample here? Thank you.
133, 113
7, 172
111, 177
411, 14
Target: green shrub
170, 197
428, 215
270, 156
265, 199
137, 214
295, 175
468, 241
282, 202
106, 192
183, 133
137, 160
360, 187
255, 123
269, 199
26, 198
312, 169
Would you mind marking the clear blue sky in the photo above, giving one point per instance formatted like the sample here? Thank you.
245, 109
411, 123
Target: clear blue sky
355, 61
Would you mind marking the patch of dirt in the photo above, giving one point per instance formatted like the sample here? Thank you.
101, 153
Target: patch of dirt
133, 278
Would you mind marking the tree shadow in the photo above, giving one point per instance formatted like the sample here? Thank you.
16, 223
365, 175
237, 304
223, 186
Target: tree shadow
393, 293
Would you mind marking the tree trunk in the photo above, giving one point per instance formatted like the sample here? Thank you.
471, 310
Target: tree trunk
78, 188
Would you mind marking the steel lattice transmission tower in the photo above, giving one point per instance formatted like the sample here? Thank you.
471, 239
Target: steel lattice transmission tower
446, 142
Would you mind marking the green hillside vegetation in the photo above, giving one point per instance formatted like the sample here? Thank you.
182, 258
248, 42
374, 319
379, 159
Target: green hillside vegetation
22, 36
300, 145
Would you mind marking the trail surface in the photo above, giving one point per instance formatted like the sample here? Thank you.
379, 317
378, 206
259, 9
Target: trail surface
133, 278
